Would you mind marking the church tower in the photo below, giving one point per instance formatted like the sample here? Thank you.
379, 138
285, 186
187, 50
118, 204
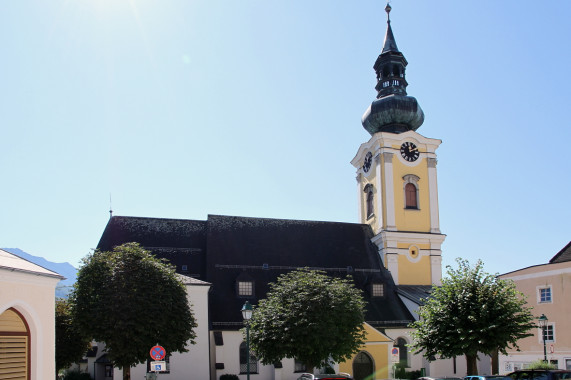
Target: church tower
396, 176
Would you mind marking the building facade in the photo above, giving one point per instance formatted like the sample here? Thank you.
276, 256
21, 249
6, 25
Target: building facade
547, 288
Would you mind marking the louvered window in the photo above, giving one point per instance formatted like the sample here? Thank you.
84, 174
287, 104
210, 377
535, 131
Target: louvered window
14, 347
13, 357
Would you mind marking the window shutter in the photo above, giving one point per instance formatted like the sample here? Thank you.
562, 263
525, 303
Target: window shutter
13, 357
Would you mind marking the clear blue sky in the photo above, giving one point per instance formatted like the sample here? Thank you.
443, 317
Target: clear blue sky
180, 109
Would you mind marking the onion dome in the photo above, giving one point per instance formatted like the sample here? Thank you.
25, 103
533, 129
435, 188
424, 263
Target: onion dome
393, 111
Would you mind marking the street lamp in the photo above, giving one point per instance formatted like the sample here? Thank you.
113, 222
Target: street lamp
543, 324
247, 314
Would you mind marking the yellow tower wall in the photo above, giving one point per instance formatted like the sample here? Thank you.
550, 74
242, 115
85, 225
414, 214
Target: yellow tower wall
411, 220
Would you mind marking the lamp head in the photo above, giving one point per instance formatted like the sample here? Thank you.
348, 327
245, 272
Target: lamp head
247, 311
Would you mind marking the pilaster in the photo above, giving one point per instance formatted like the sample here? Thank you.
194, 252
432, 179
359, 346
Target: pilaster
433, 195
389, 191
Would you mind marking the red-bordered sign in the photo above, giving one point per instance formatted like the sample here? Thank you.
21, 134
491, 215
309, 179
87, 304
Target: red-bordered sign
158, 352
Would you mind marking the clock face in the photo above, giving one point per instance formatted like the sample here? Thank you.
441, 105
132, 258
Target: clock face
367, 162
409, 151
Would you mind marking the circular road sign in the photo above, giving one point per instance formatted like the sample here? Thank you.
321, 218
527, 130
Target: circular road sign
158, 352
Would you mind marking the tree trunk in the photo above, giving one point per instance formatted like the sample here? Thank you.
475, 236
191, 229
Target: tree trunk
495, 362
126, 373
471, 364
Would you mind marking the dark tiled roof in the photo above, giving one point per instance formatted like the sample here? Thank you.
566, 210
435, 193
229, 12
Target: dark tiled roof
563, 255
226, 248
103, 359
415, 293
181, 241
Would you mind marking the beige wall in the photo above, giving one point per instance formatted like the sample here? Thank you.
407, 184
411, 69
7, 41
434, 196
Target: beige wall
33, 296
529, 281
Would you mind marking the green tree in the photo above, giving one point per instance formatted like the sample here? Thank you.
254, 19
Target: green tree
71, 345
471, 312
131, 300
308, 316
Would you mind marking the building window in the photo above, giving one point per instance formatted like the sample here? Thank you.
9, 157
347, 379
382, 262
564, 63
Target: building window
245, 288
403, 351
544, 294
244, 361
370, 191
411, 191
14, 345
184, 268
299, 366
410, 194
378, 290
413, 251
548, 333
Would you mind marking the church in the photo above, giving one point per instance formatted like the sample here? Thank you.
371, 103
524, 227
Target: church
393, 253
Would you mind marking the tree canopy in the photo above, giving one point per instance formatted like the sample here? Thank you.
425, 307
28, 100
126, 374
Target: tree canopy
308, 316
71, 345
131, 300
471, 312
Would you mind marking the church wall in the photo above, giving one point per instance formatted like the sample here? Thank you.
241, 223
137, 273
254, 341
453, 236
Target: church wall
197, 360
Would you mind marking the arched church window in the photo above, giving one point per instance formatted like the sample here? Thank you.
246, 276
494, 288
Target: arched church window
244, 360
411, 192
369, 190
403, 351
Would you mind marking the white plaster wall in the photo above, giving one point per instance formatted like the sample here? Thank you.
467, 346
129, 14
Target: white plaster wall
33, 295
229, 355
194, 364
440, 367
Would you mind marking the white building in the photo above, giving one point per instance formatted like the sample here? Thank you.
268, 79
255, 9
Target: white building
27, 319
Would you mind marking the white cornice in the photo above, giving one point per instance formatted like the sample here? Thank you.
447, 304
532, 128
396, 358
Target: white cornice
547, 273
385, 140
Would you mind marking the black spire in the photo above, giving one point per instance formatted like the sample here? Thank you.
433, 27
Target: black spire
390, 44
393, 111
390, 65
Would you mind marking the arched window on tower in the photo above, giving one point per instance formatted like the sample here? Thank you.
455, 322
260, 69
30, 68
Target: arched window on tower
370, 195
410, 195
411, 192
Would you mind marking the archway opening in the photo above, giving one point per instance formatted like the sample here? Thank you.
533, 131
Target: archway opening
363, 366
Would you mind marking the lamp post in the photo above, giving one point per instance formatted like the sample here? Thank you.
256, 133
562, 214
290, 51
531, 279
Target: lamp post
246, 315
543, 324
